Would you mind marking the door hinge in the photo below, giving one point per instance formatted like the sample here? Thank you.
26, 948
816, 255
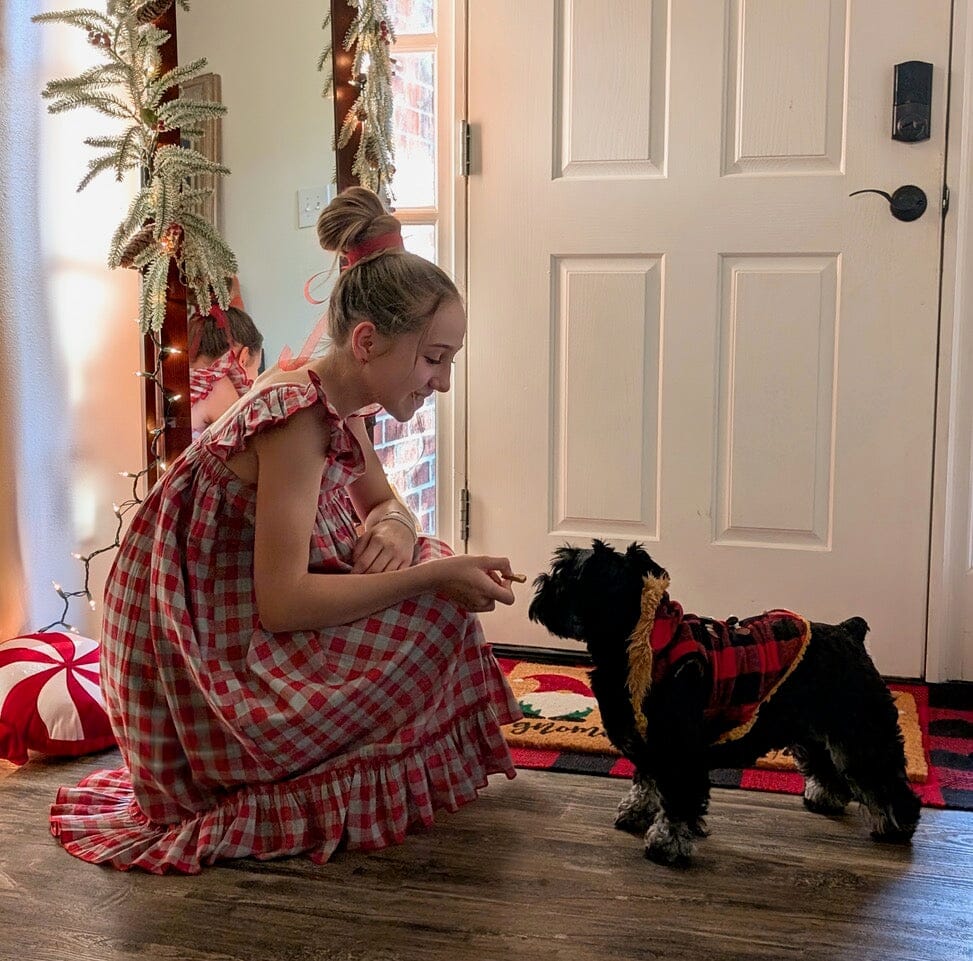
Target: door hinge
465, 148
464, 514
945, 199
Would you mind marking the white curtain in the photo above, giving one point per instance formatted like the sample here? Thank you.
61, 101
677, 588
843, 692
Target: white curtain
31, 486
70, 407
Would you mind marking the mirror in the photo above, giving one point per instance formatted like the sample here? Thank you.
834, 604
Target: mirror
277, 139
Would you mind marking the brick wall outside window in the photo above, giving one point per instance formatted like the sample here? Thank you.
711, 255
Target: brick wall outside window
408, 451
408, 454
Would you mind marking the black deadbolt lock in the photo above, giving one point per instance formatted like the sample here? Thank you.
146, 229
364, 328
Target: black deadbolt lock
912, 101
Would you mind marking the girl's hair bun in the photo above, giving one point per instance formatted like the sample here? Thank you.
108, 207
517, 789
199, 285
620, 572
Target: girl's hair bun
394, 289
352, 217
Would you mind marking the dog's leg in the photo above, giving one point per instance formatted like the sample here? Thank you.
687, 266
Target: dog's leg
890, 804
676, 755
637, 810
877, 779
868, 751
825, 790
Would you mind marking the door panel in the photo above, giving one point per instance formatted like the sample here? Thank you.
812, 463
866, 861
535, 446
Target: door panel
682, 329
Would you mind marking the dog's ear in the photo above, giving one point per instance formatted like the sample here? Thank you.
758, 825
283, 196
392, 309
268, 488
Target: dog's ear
637, 556
600, 547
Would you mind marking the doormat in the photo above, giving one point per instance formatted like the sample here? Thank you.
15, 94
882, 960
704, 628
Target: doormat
562, 731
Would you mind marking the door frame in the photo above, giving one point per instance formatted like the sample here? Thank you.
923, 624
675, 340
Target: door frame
949, 646
948, 651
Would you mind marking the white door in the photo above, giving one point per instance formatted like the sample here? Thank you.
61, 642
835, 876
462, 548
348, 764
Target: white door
683, 330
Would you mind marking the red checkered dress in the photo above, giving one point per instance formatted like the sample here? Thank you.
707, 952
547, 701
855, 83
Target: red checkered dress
202, 380
239, 742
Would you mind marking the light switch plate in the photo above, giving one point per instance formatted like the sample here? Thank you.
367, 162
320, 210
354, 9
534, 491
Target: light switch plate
311, 201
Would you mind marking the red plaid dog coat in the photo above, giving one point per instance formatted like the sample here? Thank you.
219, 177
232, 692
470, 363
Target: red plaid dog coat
747, 660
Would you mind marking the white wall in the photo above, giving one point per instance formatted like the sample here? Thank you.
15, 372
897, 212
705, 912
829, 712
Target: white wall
277, 138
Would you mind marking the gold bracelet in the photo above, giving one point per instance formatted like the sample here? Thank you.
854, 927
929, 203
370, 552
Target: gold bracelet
402, 519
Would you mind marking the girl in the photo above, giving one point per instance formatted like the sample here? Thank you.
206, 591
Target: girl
225, 353
277, 682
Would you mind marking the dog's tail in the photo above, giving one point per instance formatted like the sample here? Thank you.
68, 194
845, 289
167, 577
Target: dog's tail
856, 627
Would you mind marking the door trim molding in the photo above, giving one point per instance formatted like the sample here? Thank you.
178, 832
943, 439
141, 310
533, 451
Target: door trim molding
949, 647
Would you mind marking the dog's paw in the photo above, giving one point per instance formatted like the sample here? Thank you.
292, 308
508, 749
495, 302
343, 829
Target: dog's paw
819, 800
633, 820
699, 828
669, 842
894, 824
637, 810
894, 835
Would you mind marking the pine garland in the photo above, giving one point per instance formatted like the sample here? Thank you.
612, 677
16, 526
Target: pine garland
370, 36
161, 224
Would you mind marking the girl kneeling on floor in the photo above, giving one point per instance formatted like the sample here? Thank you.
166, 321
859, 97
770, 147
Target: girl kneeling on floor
278, 681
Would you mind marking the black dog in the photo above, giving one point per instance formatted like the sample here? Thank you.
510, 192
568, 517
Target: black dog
677, 701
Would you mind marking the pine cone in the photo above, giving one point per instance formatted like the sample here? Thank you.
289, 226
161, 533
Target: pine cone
171, 238
151, 10
98, 39
139, 242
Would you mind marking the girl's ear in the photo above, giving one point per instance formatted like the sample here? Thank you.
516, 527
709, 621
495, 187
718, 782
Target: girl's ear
364, 341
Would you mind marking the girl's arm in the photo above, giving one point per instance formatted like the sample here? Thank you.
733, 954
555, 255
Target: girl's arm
390, 533
291, 461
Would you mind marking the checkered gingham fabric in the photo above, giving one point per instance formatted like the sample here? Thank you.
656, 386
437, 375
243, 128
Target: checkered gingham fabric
238, 742
202, 380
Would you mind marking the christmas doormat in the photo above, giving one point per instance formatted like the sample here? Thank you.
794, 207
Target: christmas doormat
562, 731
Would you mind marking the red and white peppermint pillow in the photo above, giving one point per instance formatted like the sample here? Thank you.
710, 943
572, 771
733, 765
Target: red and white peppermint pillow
50, 697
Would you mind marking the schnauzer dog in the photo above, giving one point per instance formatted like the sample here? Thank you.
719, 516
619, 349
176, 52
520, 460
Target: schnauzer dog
681, 694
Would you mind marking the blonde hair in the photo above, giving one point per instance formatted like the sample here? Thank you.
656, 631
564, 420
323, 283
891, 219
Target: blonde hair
396, 290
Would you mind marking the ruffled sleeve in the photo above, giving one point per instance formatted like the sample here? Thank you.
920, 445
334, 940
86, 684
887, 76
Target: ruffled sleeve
274, 405
202, 380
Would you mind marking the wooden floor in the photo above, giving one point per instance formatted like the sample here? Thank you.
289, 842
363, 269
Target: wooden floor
532, 870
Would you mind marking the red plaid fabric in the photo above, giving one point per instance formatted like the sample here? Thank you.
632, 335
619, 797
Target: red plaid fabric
238, 742
747, 659
202, 380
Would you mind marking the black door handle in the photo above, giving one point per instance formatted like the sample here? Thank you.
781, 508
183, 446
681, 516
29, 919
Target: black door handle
906, 203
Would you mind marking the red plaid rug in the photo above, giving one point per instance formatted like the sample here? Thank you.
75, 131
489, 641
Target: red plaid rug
557, 697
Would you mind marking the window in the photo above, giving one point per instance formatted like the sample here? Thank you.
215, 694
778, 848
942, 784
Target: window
412, 454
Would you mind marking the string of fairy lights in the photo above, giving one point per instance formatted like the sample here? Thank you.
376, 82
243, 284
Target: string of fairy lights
155, 463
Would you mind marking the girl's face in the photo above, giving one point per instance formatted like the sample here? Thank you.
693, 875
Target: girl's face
406, 370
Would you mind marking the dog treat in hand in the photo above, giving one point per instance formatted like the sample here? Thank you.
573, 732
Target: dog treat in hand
519, 578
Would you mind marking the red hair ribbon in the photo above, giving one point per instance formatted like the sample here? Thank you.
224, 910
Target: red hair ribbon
222, 321
387, 241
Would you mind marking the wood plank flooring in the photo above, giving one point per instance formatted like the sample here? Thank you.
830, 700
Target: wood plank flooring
532, 870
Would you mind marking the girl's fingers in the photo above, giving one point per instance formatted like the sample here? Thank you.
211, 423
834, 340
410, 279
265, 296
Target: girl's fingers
366, 559
501, 564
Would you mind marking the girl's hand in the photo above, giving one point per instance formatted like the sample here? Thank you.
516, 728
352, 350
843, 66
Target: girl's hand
387, 546
476, 583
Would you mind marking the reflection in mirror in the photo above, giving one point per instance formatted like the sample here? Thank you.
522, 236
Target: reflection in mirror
277, 139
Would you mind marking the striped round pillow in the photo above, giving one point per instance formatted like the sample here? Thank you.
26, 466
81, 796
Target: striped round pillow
50, 697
